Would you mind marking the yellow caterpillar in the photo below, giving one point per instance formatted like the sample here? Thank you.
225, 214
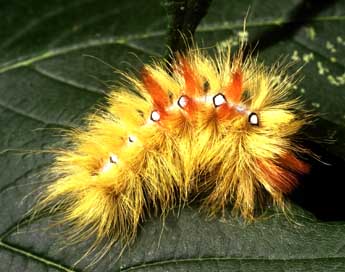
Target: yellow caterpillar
219, 130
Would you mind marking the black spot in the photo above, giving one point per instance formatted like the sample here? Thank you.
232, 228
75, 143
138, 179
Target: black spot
141, 113
245, 95
171, 96
206, 86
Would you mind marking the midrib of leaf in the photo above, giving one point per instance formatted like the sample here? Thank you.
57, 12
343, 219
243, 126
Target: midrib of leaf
35, 257
124, 40
276, 22
28, 60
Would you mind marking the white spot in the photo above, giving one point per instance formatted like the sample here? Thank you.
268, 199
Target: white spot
243, 36
182, 101
155, 116
315, 104
340, 40
219, 99
132, 138
330, 46
113, 159
322, 69
333, 59
253, 119
308, 57
295, 56
311, 33
336, 80
228, 42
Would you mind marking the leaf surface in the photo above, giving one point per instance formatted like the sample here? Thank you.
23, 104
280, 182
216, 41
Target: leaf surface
56, 64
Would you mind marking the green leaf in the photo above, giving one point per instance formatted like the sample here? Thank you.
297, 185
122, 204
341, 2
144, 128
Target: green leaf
49, 81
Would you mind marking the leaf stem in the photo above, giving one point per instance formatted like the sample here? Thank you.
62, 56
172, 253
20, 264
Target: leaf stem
184, 17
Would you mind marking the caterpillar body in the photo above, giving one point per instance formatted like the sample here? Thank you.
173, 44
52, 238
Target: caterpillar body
220, 130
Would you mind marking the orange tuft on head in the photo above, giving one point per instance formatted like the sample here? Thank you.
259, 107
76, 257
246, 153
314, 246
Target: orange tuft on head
159, 96
192, 87
235, 88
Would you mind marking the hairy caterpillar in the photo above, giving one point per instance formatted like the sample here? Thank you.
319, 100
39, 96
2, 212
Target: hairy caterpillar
219, 130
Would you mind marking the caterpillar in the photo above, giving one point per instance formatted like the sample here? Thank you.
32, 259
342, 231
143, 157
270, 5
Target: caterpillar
216, 130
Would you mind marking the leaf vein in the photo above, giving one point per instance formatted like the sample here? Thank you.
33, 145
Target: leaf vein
35, 118
66, 81
34, 257
28, 60
219, 259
